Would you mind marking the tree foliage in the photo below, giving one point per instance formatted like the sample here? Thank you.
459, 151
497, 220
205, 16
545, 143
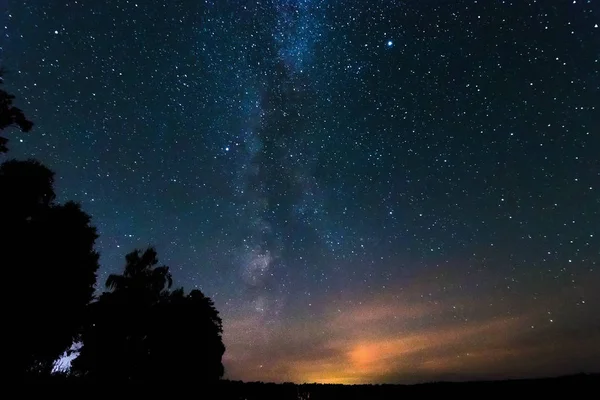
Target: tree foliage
49, 263
139, 330
10, 115
142, 331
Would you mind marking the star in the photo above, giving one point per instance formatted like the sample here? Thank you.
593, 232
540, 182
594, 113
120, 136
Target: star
269, 150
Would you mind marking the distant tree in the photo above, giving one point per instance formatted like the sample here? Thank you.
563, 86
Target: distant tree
141, 331
188, 338
49, 264
10, 115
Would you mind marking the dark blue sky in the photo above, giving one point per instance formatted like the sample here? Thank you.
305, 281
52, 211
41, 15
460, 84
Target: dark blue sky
371, 191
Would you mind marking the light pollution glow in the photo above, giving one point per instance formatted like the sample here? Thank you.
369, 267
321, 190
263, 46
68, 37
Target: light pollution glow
405, 339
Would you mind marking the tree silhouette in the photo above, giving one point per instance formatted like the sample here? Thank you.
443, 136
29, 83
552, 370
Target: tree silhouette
10, 115
141, 276
141, 331
188, 338
49, 263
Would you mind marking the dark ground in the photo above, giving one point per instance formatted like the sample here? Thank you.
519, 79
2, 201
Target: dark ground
582, 386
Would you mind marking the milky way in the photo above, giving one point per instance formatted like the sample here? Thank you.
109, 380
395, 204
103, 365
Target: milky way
278, 190
371, 191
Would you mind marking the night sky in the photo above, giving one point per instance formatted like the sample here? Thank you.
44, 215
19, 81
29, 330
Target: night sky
370, 191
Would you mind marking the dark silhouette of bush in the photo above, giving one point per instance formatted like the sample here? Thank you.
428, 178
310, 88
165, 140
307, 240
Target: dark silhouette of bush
140, 331
49, 265
10, 115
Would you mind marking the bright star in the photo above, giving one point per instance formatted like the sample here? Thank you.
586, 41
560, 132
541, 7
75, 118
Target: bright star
227, 148
390, 43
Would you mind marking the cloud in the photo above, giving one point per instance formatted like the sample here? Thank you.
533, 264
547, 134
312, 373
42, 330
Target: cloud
399, 339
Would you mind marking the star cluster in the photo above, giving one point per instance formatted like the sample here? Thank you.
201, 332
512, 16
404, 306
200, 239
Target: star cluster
371, 191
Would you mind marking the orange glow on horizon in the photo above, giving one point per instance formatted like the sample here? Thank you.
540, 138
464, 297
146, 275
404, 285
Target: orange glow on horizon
379, 341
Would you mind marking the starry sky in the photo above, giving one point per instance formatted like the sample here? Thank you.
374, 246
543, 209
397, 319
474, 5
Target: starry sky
371, 191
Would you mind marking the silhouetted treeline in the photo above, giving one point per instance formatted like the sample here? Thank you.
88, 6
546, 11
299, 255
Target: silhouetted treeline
142, 331
581, 386
49, 265
576, 386
138, 331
